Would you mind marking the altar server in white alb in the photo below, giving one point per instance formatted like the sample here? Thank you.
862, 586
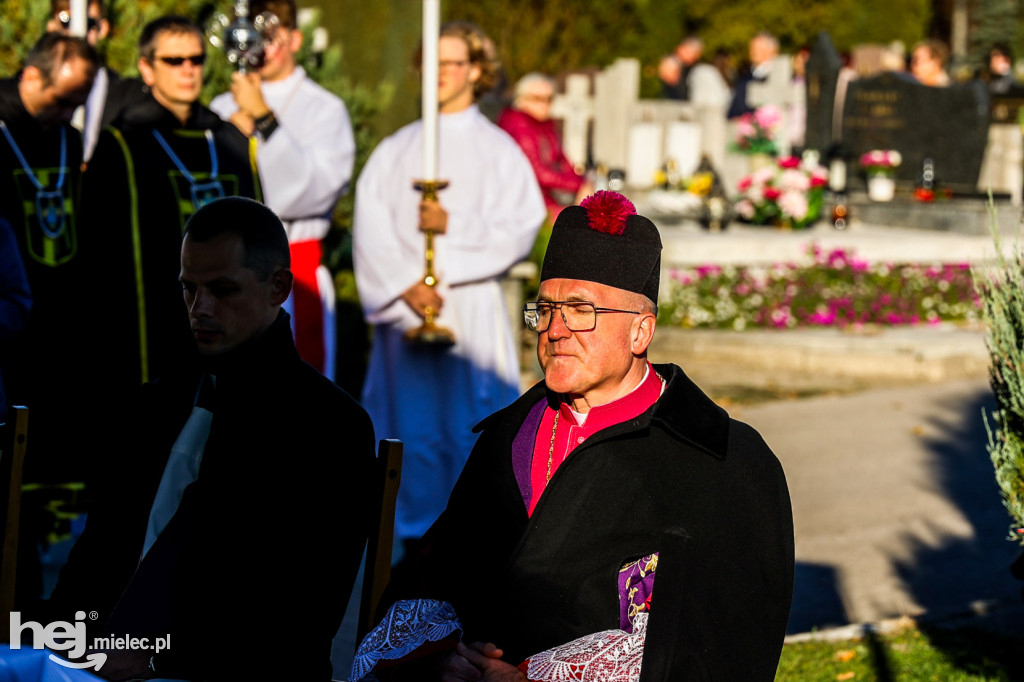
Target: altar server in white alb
305, 152
485, 222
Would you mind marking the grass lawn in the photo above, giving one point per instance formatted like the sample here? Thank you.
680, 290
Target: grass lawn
913, 653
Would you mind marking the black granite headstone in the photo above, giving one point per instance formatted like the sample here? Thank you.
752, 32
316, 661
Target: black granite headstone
948, 125
822, 73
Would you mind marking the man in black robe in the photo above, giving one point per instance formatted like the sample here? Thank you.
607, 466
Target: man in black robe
153, 168
611, 472
236, 496
40, 161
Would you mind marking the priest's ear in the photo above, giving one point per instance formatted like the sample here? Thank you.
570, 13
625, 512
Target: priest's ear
280, 285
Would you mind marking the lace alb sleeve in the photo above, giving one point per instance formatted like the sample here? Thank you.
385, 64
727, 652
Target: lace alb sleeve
408, 625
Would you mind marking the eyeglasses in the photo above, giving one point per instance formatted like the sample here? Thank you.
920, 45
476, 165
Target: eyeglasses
196, 60
546, 99
578, 316
452, 63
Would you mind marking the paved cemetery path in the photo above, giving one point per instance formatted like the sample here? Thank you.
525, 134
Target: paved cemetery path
895, 505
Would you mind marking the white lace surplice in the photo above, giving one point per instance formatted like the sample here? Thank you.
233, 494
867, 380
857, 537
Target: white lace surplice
608, 656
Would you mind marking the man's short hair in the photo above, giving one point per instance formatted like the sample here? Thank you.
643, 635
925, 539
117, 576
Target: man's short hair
479, 53
262, 234
54, 49
173, 24
526, 82
284, 10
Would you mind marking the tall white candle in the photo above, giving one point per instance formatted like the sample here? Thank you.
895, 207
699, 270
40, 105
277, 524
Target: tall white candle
431, 32
79, 17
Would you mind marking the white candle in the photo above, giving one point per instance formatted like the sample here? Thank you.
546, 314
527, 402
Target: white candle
837, 175
431, 33
79, 17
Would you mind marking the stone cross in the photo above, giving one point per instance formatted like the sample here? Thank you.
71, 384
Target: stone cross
575, 108
616, 90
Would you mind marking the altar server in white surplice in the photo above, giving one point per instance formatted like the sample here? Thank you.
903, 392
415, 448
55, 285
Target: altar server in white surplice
485, 222
305, 150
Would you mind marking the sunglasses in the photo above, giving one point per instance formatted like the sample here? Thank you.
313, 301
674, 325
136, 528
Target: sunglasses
196, 60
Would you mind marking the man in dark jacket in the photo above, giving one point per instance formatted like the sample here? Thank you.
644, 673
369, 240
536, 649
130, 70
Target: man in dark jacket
232, 515
153, 168
614, 502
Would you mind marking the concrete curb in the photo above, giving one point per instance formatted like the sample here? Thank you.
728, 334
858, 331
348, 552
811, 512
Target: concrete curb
974, 614
905, 354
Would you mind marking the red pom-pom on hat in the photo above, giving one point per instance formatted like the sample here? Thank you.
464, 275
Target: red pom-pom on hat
607, 211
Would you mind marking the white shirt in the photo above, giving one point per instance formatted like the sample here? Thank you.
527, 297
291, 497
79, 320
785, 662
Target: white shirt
306, 164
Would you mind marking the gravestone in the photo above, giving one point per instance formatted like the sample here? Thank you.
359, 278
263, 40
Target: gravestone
822, 75
616, 89
637, 136
575, 108
948, 125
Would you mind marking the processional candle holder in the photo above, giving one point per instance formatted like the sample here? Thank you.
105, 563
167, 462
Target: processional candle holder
429, 333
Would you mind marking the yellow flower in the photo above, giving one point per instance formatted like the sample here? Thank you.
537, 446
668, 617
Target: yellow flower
700, 184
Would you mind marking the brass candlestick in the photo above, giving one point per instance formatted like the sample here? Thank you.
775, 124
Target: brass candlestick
430, 333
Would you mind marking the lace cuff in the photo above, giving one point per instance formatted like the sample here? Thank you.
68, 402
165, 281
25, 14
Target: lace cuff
609, 656
408, 625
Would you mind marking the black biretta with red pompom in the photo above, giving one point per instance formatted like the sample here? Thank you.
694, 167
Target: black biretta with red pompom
603, 240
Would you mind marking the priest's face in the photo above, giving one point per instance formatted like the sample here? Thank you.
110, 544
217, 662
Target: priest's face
456, 75
178, 83
594, 365
228, 303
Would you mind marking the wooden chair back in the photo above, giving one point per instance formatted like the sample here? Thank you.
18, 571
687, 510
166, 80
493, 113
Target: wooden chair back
377, 571
13, 443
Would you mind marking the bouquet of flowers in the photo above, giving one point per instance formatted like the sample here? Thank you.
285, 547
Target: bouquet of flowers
755, 133
789, 193
880, 161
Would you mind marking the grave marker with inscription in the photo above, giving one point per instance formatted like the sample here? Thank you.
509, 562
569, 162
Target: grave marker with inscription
948, 125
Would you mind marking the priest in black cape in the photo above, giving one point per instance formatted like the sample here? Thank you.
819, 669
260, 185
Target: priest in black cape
613, 519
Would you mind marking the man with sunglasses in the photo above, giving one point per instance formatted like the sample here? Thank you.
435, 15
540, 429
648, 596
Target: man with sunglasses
306, 150
110, 92
614, 507
158, 163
